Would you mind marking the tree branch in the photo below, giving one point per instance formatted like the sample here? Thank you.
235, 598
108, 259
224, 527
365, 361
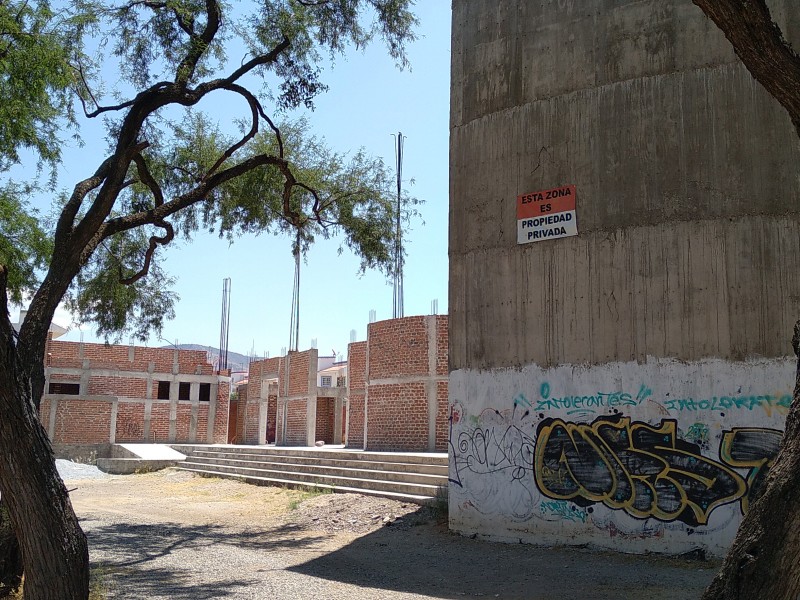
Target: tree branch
198, 44
255, 109
152, 216
759, 43
262, 59
155, 241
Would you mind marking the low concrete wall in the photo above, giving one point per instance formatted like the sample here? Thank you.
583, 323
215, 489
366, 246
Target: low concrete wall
661, 457
82, 453
127, 466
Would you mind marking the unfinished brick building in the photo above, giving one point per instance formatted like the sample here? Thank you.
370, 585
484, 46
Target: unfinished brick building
391, 395
286, 395
397, 392
97, 394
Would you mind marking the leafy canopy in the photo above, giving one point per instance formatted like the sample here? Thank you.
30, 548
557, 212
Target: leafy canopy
171, 168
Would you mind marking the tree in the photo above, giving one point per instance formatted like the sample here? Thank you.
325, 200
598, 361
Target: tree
169, 171
762, 562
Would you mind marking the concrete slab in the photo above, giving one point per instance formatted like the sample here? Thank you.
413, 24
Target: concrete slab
139, 458
153, 451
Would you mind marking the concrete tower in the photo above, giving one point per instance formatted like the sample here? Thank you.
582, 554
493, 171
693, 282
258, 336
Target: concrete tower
625, 386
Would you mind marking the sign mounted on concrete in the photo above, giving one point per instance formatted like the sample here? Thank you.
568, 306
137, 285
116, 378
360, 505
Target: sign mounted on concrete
546, 215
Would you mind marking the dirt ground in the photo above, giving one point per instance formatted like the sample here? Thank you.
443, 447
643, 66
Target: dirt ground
175, 535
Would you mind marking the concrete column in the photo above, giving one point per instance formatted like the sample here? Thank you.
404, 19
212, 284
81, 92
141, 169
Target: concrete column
338, 404
51, 426
366, 392
112, 435
84, 383
173, 405
346, 421
194, 396
263, 405
430, 382
311, 402
148, 402
212, 412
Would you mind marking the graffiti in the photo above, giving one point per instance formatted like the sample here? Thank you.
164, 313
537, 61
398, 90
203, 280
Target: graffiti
767, 402
754, 449
563, 511
131, 430
491, 459
525, 464
641, 469
587, 404
508, 449
698, 434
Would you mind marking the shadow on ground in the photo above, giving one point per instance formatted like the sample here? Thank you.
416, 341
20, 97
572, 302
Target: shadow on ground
130, 552
466, 567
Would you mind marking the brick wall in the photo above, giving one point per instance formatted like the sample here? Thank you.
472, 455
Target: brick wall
325, 420
406, 388
159, 422
128, 387
221, 417
130, 422
398, 347
202, 425
296, 422
356, 386
397, 418
250, 432
442, 417
80, 421
126, 358
298, 372
355, 431
130, 374
442, 345
184, 415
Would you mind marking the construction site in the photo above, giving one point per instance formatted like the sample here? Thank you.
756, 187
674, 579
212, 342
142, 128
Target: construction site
615, 369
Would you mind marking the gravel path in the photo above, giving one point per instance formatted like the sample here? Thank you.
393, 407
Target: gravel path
174, 535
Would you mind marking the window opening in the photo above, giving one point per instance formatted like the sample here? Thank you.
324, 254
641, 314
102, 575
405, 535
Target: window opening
67, 389
163, 390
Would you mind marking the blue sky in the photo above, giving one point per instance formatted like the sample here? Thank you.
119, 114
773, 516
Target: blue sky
369, 100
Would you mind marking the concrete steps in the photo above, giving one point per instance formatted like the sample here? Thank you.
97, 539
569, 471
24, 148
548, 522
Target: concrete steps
411, 477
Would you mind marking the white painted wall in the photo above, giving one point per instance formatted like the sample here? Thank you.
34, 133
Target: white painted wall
526, 464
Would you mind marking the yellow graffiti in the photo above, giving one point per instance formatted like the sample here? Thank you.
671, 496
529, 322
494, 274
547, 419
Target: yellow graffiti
641, 469
751, 448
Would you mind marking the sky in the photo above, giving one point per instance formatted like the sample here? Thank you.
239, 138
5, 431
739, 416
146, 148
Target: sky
369, 99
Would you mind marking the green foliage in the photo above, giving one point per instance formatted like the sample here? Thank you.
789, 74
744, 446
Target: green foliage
24, 246
351, 196
98, 295
35, 78
174, 165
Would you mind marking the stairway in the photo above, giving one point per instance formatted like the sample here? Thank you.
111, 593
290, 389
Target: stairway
410, 477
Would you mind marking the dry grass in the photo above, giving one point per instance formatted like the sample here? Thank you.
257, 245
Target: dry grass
97, 587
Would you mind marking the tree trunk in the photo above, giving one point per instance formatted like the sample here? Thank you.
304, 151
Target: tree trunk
763, 561
10, 555
54, 550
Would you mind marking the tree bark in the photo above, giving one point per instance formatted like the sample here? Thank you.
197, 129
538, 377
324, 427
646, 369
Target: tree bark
10, 555
759, 43
54, 549
763, 561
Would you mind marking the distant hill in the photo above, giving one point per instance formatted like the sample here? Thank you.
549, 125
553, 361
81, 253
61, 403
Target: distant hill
236, 361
